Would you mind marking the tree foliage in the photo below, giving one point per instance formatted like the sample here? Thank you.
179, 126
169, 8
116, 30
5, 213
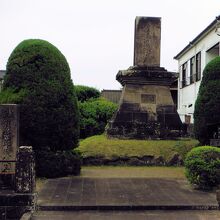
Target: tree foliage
49, 113
84, 93
207, 106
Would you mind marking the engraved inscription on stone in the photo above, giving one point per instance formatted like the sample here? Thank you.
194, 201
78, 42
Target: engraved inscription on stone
147, 41
148, 98
8, 137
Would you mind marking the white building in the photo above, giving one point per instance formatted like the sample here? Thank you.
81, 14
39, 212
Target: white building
191, 62
2, 73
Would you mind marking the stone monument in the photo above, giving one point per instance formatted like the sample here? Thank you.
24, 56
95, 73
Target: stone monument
146, 108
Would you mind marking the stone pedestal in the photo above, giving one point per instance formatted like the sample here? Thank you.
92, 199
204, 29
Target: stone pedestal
146, 108
14, 205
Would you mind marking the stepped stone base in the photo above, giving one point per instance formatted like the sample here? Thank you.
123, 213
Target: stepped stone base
146, 109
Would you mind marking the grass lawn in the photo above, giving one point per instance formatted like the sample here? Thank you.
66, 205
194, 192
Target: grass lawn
101, 146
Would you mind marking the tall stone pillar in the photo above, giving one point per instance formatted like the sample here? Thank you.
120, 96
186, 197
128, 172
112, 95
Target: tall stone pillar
146, 108
147, 41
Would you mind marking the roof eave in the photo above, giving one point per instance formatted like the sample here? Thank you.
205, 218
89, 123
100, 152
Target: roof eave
207, 30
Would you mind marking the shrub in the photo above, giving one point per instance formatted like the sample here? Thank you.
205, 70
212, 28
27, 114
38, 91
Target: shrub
49, 112
85, 93
203, 166
94, 115
207, 106
56, 164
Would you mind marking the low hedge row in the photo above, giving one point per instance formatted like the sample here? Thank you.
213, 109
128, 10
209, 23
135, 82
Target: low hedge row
57, 164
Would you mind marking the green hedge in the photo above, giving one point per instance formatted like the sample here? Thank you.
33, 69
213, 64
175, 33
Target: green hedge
94, 115
203, 166
56, 164
207, 106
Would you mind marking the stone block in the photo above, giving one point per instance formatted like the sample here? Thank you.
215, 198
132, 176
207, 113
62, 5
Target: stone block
14, 205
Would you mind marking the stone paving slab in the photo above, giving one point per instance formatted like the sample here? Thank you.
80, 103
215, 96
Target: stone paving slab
77, 193
128, 215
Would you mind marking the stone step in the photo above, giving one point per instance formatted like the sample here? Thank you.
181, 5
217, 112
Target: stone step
124, 207
128, 215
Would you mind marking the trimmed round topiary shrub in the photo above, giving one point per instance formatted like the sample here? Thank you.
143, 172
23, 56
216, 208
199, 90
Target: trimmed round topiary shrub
56, 164
203, 166
49, 117
207, 106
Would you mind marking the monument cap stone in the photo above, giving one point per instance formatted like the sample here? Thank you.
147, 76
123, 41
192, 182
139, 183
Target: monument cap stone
147, 41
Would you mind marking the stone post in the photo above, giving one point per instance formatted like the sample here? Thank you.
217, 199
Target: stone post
218, 197
25, 170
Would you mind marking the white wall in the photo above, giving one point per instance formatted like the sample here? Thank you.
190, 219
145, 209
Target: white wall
188, 94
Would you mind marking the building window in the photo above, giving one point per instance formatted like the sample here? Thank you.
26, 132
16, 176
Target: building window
212, 53
184, 74
192, 70
187, 119
1, 84
198, 66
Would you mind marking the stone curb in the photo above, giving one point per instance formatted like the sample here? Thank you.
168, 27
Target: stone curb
126, 207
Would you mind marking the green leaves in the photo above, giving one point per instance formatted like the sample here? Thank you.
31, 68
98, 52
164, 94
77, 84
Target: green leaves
84, 93
207, 106
38, 77
10, 96
202, 166
94, 115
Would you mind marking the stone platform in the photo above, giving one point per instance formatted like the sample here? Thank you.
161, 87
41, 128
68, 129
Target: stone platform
117, 194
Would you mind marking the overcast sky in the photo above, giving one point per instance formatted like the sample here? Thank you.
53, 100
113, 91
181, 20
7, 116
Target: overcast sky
97, 36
